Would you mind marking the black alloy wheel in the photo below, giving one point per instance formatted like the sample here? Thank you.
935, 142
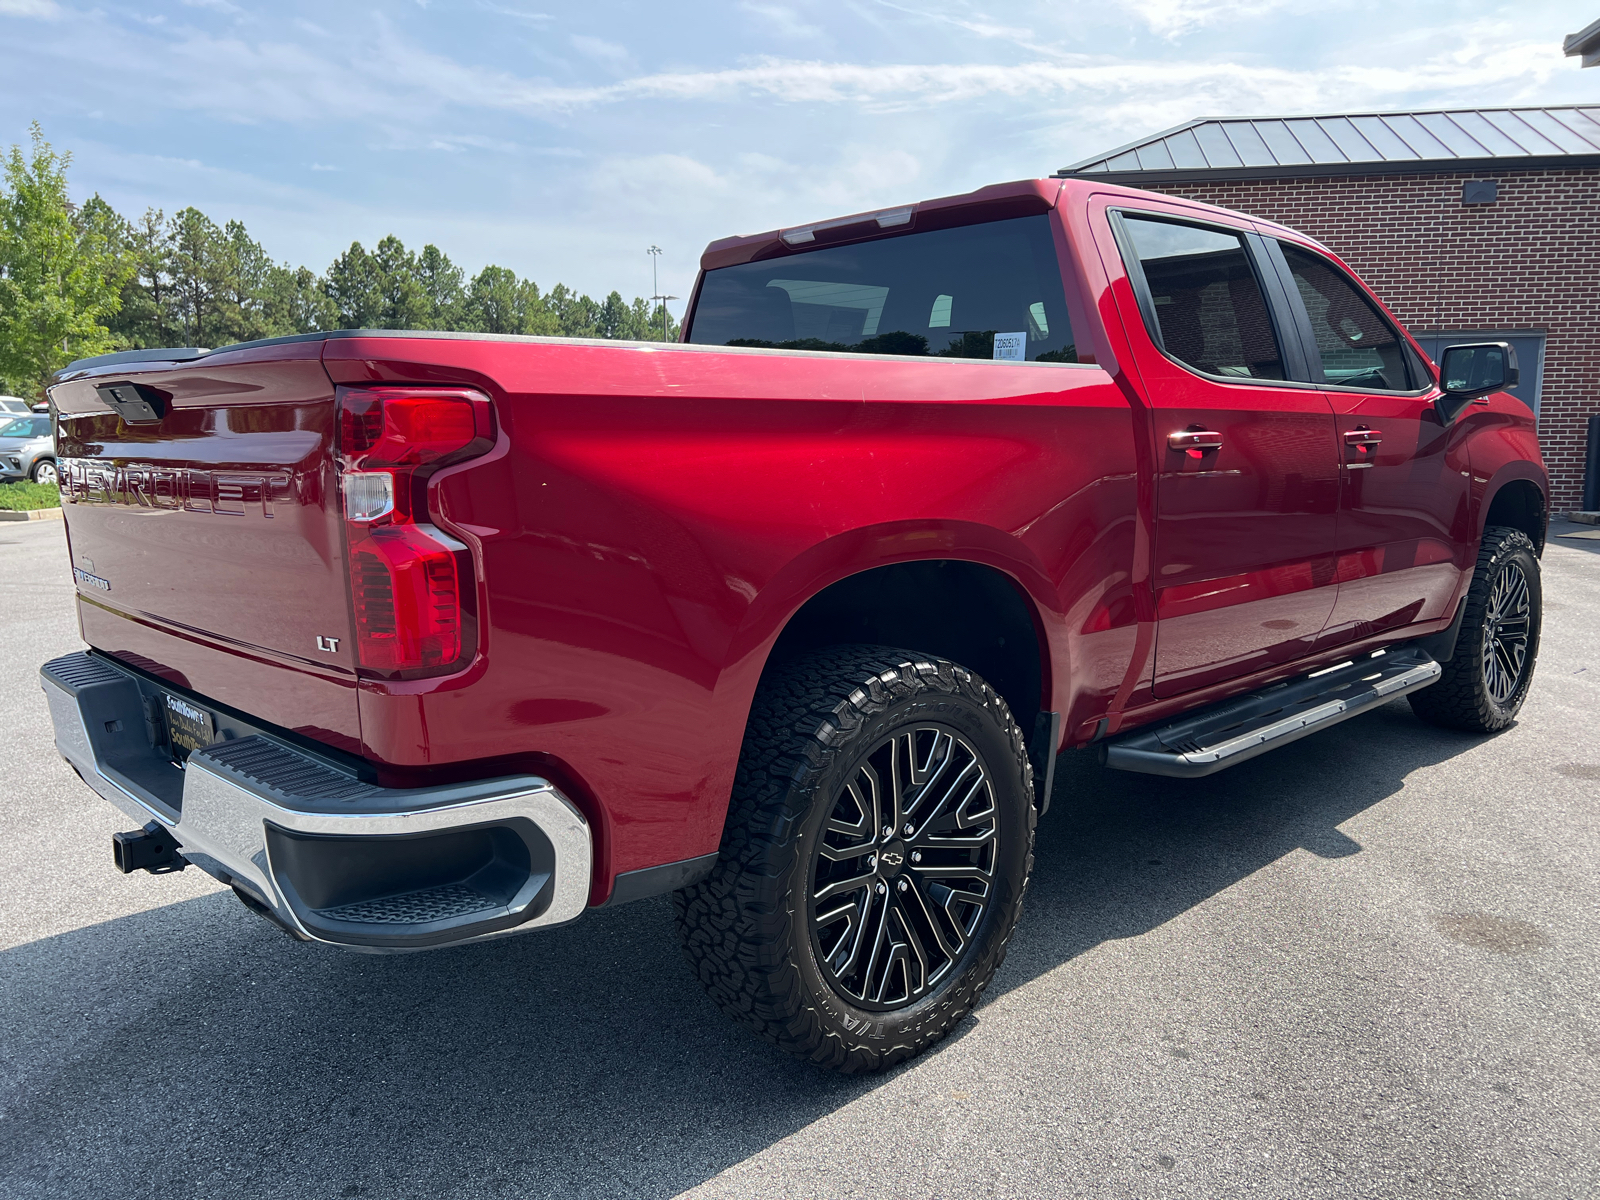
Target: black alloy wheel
1486, 680
1508, 621
904, 870
874, 858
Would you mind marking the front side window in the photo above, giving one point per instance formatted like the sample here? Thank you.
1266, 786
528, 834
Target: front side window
977, 291
1358, 347
1207, 302
26, 427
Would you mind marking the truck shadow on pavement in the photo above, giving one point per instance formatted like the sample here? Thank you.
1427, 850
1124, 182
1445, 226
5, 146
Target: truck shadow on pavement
192, 1049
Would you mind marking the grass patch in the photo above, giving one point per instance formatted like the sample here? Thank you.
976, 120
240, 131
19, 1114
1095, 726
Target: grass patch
24, 497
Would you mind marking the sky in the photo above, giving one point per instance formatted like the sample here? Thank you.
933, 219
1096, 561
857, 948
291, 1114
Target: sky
562, 139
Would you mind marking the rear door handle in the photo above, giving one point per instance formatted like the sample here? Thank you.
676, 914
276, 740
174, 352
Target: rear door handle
1362, 437
1195, 440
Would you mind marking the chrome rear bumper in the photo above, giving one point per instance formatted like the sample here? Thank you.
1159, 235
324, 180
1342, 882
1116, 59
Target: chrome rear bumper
327, 855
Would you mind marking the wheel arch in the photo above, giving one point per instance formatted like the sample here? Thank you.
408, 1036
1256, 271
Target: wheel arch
965, 592
1516, 497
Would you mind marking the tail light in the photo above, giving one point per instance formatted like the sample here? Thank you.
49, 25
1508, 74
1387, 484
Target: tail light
410, 583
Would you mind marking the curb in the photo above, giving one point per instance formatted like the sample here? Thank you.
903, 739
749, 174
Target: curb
1584, 518
33, 514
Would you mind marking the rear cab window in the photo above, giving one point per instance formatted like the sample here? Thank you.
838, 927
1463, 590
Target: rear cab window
988, 291
1205, 302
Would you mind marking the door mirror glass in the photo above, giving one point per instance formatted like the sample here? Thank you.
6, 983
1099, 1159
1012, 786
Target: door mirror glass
1478, 369
1467, 372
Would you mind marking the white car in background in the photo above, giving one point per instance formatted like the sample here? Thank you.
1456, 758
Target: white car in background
14, 406
27, 448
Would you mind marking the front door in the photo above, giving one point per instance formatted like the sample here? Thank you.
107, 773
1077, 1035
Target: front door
1247, 463
1405, 528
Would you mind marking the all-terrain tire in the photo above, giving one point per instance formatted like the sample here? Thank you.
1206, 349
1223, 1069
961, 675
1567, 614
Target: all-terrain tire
747, 930
1465, 696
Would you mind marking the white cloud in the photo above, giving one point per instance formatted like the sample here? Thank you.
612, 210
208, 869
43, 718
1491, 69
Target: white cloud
1173, 17
606, 53
44, 9
783, 20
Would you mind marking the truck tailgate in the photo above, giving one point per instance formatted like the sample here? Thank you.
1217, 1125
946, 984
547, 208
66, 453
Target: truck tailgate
203, 521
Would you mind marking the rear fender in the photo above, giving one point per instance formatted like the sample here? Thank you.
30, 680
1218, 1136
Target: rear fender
847, 554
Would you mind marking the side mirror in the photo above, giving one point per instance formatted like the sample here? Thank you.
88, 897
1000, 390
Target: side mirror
1467, 372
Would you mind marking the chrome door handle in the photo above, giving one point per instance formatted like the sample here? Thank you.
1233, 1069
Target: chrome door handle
1195, 439
1362, 437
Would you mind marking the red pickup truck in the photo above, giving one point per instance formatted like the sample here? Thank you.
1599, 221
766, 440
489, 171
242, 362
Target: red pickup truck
417, 639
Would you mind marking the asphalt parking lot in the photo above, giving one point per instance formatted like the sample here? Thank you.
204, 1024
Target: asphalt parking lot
1363, 965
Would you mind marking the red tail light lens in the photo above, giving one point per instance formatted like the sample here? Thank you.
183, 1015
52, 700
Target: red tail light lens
387, 427
405, 575
407, 593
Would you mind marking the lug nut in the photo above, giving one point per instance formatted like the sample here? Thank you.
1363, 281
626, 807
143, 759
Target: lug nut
882, 887
872, 861
916, 856
902, 885
888, 831
910, 828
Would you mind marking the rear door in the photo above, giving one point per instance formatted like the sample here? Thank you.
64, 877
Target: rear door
1247, 463
1404, 529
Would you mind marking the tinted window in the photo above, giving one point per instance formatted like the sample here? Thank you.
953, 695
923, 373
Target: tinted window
1358, 347
28, 427
978, 291
1207, 301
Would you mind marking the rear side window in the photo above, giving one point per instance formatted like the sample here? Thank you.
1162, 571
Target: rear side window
978, 291
1358, 347
27, 427
1206, 300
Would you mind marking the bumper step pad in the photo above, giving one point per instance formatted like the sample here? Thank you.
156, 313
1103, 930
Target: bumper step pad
452, 901
1236, 731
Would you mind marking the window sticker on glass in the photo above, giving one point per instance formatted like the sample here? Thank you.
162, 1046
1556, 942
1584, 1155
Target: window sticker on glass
1011, 347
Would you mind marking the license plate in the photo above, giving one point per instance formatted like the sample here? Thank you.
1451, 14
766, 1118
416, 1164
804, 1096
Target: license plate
189, 727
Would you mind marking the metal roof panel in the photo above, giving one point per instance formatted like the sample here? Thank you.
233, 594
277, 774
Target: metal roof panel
1415, 134
1247, 143
1383, 139
1514, 127
1555, 131
1323, 142
1493, 139
1317, 143
1155, 157
1214, 144
1185, 149
1286, 149
1585, 122
1456, 140
1351, 144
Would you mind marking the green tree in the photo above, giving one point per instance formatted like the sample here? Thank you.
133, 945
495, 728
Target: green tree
204, 292
61, 269
355, 286
146, 318
293, 300
444, 286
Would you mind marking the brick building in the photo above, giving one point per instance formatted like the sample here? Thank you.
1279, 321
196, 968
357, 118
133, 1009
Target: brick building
1472, 225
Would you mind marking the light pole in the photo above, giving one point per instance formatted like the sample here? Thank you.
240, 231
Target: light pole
655, 285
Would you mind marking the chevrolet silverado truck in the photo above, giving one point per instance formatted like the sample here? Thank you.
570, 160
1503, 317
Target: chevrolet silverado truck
416, 639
